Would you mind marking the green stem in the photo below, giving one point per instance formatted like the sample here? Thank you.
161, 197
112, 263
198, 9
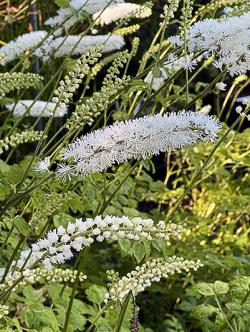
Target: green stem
122, 313
96, 318
74, 289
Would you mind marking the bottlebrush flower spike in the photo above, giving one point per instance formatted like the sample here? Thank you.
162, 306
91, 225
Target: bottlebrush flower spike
17, 47
75, 45
68, 16
36, 109
56, 247
135, 139
217, 37
120, 11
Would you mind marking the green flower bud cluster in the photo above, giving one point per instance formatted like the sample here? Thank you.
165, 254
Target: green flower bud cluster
127, 30
4, 310
104, 62
114, 69
56, 201
27, 136
239, 10
135, 45
186, 13
71, 82
100, 101
14, 81
169, 10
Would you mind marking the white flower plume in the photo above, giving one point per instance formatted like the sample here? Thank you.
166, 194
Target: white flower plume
43, 165
36, 109
228, 39
92, 6
56, 247
17, 47
76, 45
67, 16
135, 139
120, 11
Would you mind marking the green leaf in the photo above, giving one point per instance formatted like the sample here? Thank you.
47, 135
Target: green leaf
220, 287
62, 3
186, 306
204, 288
139, 251
95, 293
21, 225
203, 311
125, 245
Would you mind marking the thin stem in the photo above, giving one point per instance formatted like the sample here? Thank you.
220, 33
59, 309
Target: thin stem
96, 318
74, 289
122, 313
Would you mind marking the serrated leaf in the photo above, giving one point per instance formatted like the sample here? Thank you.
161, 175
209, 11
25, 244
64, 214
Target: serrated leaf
95, 293
221, 287
204, 288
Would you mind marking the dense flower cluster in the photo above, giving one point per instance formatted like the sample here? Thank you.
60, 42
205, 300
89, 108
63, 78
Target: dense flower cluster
4, 310
37, 108
71, 82
56, 247
17, 47
68, 16
217, 37
143, 276
38, 275
77, 45
99, 102
134, 139
14, 81
119, 11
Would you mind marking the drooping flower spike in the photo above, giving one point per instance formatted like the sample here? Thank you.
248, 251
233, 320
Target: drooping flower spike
57, 246
143, 276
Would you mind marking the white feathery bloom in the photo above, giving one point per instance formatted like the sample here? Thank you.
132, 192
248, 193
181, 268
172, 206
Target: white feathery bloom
227, 39
36, 109
92, 6
43, 165
172, 65
77, 45
120, 11
57, 247
244, 100
137, 138
17, 47
221, 86
143, 276
68, 16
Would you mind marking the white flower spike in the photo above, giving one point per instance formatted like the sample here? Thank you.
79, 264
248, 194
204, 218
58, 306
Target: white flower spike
135, 139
